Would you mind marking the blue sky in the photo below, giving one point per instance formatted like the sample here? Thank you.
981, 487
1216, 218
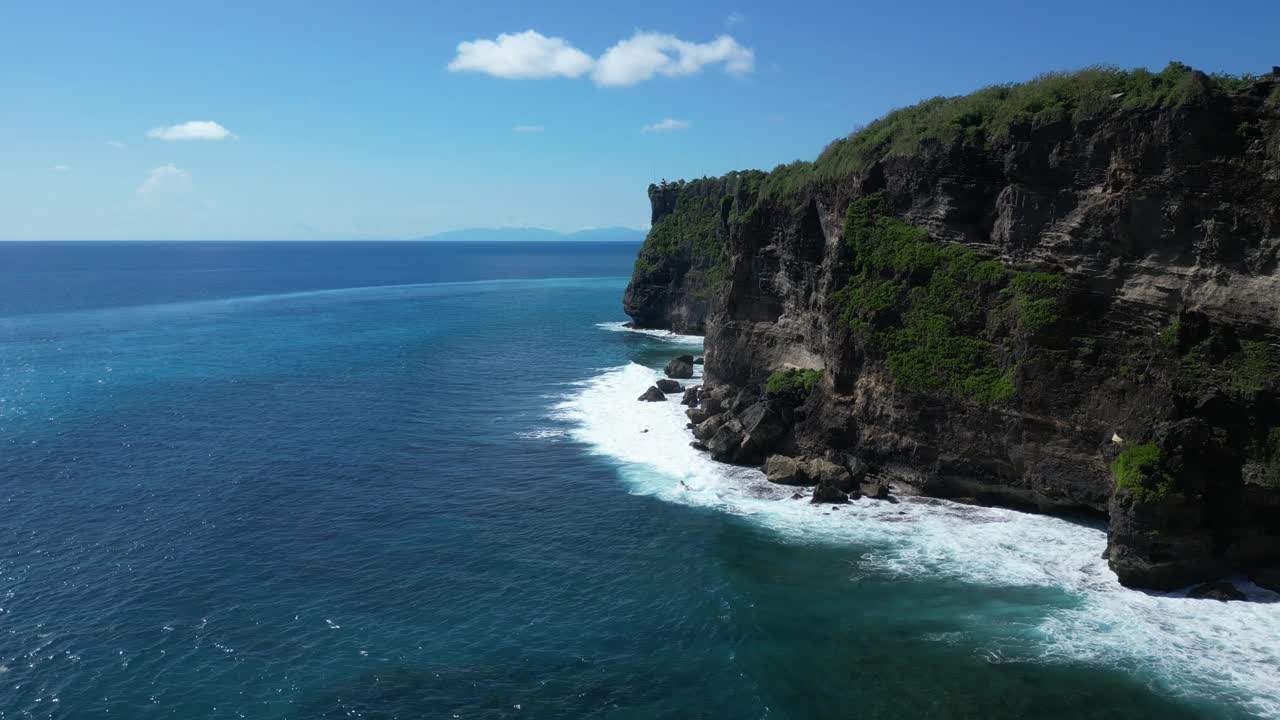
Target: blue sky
336, 120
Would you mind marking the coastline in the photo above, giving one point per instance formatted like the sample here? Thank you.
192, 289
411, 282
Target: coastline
1195, 646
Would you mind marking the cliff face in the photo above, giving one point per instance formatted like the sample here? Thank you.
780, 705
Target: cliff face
1072, 307
683, 259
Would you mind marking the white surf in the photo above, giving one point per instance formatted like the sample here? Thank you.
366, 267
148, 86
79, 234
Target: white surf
1193, 646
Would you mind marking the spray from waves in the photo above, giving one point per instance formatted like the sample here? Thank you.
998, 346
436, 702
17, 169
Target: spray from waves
543, 434
1198, 647
667, 335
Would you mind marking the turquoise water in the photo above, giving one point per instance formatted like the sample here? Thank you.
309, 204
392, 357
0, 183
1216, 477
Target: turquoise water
394, 481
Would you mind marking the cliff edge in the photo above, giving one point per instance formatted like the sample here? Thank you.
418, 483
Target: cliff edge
1059, 295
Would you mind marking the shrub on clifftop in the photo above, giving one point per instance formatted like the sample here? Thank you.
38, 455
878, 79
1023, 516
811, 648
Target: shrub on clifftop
993, 114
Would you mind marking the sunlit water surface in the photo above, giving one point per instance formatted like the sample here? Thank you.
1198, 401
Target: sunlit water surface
394, 480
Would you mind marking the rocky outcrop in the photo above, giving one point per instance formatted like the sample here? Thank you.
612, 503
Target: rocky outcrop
874, 488
653, 394
682, 256
1222, 591
829, 494
1053, 304
785, 470
680, 367
668, 386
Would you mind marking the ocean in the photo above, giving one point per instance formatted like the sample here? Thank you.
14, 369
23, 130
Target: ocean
412, 480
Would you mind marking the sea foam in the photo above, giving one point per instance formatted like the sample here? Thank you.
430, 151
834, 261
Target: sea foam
1197, 647
667, 335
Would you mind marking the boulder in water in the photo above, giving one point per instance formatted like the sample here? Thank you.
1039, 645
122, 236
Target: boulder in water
680, 367
668, 386
653, 394
690, 396
1221, 590
827, 493
873, 488
697, 361
696, 415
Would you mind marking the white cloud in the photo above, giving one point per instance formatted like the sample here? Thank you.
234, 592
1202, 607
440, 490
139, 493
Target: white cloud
162, 181
116, 144
192, 130
667, 125
646, 54
61, 168
735, 18
528, 128
529, 54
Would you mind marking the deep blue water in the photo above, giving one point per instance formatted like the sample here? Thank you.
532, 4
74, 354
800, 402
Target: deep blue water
405, 480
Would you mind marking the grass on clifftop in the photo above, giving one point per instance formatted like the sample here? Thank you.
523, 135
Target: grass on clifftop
991, 114
787, 181
936, 310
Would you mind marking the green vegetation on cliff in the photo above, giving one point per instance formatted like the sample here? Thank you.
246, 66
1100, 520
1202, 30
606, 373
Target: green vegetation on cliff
1035, 299
986, 118
696, 222
788, 181
1240, 367
1270, 475
1137, 469
1255, 368
792, 378
996, 113
937, 310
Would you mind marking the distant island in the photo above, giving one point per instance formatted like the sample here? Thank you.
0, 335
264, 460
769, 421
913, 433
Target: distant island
530, 234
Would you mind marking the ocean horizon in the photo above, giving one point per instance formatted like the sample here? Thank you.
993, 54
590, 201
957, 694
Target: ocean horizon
391, 361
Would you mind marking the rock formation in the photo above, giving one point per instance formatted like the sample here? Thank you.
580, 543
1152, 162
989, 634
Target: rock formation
653, 394
680, 367
668, 386
1060, 295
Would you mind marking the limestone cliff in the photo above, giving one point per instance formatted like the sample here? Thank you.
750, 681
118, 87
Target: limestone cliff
684, 256
1058, 295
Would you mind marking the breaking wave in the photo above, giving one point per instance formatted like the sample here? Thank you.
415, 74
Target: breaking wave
1198, 647
660, 334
